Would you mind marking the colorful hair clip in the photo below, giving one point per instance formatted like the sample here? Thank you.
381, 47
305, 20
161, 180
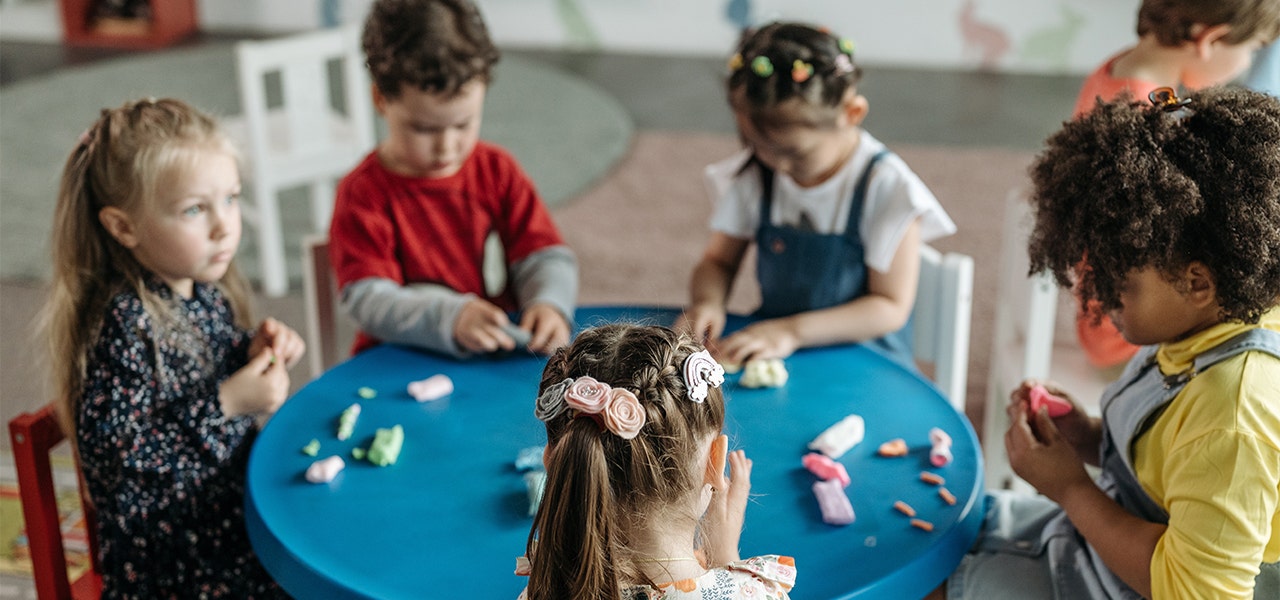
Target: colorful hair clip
735, 62
801, 71
762, 66
846, 46
843, 64
1166, 99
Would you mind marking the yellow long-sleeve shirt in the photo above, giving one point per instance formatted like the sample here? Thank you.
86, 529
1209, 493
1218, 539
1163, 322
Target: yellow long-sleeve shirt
1212, 461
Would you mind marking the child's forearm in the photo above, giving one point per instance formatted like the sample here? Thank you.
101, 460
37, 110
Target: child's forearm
710, 284
865, 318
1125, 542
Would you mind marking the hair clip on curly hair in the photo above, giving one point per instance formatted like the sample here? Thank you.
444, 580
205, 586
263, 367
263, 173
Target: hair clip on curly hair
1166, 99
801, 71
846, 46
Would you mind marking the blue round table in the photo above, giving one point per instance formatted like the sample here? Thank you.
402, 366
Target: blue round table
450, 517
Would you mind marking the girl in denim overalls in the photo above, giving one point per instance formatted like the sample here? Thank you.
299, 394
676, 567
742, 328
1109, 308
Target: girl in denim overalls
837, 219
1176, 209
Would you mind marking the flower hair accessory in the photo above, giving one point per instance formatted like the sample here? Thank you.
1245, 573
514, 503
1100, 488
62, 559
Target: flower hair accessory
701, 371
617, 409
846, 46
1166, 99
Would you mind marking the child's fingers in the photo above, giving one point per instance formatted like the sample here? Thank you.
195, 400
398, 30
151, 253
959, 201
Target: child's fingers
262, 361
716, 461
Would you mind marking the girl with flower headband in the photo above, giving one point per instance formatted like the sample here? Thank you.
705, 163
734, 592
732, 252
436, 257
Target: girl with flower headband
161, 377
837, 219
636, 504
1177, 205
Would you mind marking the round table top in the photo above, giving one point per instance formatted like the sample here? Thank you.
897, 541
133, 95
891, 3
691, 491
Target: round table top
451, 513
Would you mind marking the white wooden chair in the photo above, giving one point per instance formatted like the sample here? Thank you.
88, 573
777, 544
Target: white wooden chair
305, 137
1023, 346
941, 316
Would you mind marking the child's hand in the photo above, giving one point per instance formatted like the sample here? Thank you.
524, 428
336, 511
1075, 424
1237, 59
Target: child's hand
705, 323
479, 328
728, 507
281, 339
258, 388
549, 328
774, 338
1040, 454
1082, 431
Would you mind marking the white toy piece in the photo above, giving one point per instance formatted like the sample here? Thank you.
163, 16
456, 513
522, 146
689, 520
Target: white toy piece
940, 454
839, 438
765, 372
434, 387
325, 469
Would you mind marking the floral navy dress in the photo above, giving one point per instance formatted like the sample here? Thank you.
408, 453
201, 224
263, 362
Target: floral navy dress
164, 467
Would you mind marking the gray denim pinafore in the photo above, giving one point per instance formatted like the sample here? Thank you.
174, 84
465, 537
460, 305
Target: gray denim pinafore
800, 270
1129, 407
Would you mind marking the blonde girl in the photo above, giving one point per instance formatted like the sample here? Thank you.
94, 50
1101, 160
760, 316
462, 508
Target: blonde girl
636, 503
837, 219
162, 383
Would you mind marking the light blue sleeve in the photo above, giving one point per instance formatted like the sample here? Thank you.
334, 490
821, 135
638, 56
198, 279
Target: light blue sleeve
421, 315
548, 276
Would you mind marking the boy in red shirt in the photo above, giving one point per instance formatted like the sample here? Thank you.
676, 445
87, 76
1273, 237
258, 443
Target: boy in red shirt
410, 223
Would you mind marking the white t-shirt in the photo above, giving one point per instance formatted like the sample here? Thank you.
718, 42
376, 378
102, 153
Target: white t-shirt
895, 197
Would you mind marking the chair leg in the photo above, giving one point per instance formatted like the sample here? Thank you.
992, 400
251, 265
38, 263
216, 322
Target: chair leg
40, 505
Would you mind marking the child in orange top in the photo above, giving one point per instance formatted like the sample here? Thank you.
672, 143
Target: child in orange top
1191, 43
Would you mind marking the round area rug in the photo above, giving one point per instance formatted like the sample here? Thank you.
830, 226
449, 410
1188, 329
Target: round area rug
565, 132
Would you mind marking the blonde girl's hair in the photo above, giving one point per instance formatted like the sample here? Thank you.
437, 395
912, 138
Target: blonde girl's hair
602, 488
123, 160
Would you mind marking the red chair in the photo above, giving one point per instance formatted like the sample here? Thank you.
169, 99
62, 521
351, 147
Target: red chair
33, 435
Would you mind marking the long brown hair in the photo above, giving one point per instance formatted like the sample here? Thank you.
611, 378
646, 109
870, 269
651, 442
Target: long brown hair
601, 489
121, 161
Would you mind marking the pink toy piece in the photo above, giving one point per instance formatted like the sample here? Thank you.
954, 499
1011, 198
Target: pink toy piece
940, 454
431, 388
325, 469
835, 505
825, 468
1055, 405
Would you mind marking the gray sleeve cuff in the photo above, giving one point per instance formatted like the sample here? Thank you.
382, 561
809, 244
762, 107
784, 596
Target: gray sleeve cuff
548, 276
421, 315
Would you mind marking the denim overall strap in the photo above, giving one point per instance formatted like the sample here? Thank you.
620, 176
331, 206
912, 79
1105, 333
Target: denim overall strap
800, 270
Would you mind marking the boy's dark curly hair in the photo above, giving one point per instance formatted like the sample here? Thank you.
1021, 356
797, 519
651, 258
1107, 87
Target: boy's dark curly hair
432, 45
1130, 186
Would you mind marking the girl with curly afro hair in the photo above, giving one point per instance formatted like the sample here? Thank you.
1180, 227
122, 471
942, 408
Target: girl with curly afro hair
1175, 211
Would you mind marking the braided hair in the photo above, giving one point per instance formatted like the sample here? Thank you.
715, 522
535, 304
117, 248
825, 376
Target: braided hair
602, 488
